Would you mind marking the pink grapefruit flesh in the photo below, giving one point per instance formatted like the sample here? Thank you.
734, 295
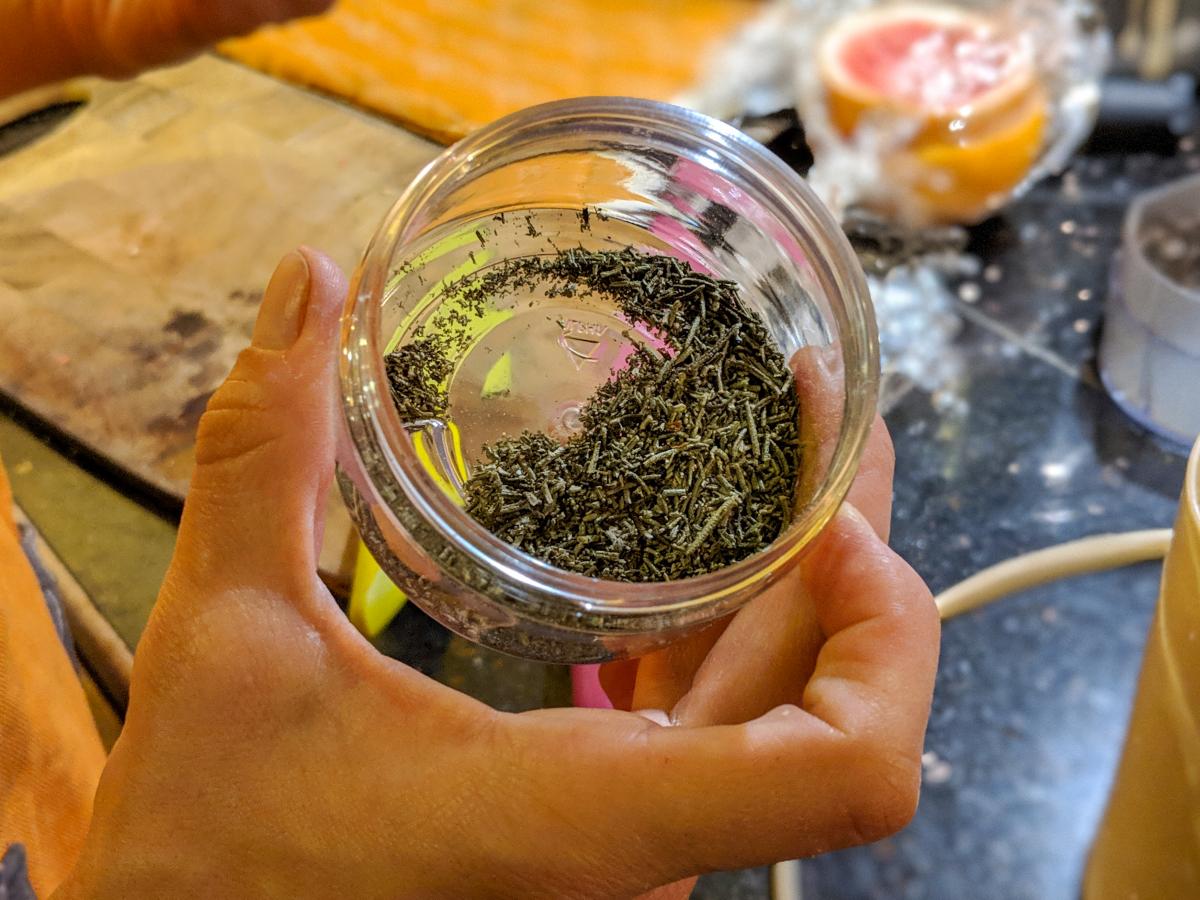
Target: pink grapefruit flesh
931, 59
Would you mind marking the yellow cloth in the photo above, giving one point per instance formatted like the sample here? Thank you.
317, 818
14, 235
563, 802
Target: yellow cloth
50, 752
445, 67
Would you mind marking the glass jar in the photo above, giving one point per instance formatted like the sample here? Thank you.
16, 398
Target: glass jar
599, 173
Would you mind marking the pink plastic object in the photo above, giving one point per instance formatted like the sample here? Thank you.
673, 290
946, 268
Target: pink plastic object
586, 690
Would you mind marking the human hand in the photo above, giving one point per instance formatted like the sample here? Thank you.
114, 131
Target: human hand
50, 40
269, 750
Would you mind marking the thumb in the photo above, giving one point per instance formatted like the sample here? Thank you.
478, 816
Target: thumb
265, 444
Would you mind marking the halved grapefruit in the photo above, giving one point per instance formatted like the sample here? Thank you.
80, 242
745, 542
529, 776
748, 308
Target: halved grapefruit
965, 90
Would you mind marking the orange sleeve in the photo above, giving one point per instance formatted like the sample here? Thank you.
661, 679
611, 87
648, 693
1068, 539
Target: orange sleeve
51, 755
7, 523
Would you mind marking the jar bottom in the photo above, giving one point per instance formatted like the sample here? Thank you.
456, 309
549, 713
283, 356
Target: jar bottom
509, 634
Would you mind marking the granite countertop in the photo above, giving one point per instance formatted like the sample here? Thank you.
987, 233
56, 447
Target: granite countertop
1012, 446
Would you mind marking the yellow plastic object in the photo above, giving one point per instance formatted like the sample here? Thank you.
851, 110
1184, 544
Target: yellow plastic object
374, 599
477, 260
1149, 841
460, 464
499, 377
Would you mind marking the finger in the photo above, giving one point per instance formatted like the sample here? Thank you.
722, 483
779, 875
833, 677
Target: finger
763, 660
657, 680
841, 770
664, 676
821, 390
871, 493
821, 393
882, 632
265, 444
769, 651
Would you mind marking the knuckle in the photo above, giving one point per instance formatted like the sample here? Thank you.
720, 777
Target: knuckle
238, 396
912, 600
886, 799
921, 607
238, 418
227, 435
256, 376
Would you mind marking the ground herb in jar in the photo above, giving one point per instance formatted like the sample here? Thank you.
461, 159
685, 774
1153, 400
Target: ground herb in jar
686, 460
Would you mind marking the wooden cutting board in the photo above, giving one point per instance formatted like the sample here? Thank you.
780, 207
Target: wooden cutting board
136, 238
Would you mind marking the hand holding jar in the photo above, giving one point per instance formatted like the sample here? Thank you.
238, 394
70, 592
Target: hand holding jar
269, 750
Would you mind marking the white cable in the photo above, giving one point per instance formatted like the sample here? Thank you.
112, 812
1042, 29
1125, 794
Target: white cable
785, 881
1091, 554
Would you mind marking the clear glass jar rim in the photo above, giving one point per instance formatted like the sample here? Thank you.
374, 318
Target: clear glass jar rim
791, 196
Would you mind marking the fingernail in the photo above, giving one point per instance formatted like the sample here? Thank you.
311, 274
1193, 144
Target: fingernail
281, 316
850, 512
680, 710
654, 715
